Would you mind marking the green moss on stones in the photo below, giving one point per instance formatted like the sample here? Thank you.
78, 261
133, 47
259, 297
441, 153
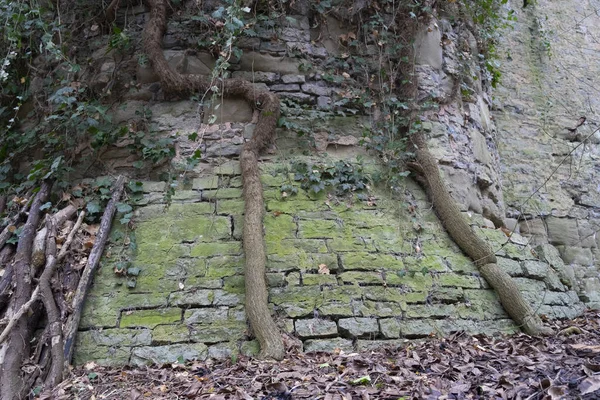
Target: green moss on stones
218, 331
230, 207
223, 266
318, 279
168, 334
371, 261
316, 229
216, 249
464, 281
150, 318
207, 182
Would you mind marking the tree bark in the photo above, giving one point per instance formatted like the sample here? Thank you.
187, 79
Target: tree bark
54, 323
90, 269
11, 376
6, 279
257, 307
428, 175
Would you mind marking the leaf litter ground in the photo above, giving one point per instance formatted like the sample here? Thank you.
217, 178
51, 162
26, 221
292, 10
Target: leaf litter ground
563, 366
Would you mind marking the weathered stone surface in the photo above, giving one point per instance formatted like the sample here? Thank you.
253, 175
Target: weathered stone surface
257, 76
358, 327
192, 298
428, 46
328, 345
576, 255
168, 354
314, 328
150, 318
512, 267
562, 231
253, 61
390, 327
291, 87
316, 88
293, 78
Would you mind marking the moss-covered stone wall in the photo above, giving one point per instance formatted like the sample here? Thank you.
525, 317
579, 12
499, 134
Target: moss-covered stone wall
343, 273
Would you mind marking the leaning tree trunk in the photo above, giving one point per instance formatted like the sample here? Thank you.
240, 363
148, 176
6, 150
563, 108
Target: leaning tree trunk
261, 322
11, 375
428, 175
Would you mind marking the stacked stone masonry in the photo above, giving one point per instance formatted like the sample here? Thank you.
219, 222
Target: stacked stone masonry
393, 272
385, 281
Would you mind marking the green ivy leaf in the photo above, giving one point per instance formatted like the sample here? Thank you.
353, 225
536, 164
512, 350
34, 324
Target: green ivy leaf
124, 208
93, 207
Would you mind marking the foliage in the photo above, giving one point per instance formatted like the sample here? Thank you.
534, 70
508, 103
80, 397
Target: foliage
489, 17
340, 177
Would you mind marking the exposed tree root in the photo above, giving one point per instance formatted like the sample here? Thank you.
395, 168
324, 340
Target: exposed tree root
428, 175
55, 374
267, 103
11, 375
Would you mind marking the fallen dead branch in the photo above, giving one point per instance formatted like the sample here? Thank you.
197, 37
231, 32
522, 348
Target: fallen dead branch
90, 269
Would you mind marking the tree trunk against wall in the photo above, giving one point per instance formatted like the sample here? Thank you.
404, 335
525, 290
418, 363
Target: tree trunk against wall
428, 175
261, 322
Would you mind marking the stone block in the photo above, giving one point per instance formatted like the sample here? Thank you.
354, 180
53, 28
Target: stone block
358, 327
217, 332
318, 229
290, 78
314, 328
535, 269
535, 229
168, 354
301, 98
150, 318
430, 311
257, 76
206, 182
463, 281
113, 337
223, 193
150, 186
587, 234
362, 278
390, 327
371, 261
222, 351
418, 328
447, 294
228, 168
318, 89
428, 46
229, 206
318, 279
562, 231
186, 196
205, 315
254, 61
328, 345
291, 87
576, 255
216, 249
192, 298
511, 267
104, 356
169, 334
382, 309
223, 298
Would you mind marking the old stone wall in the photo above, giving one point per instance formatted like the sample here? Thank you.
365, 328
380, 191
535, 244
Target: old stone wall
344, 272
550, 64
